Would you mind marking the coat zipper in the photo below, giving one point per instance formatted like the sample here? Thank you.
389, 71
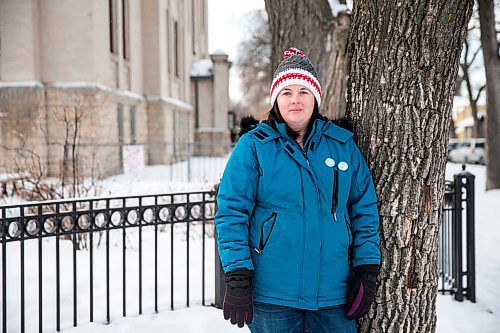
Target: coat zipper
335, 193
320, 220
301, 267
262, 242
304, 152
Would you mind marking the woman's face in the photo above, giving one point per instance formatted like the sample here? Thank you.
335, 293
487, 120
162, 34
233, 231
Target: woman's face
296, 105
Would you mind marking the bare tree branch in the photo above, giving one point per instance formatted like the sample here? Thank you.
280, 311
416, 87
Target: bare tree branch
479, 93
474, 55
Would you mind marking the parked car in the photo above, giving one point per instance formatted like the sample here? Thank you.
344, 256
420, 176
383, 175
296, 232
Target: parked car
457, 143
476, 153
467, 151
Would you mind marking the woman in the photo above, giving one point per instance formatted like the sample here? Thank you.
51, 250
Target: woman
297, 217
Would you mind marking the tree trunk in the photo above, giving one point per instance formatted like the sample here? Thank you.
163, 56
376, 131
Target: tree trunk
472, 102
311, 27
466, 65
403, 66
490, 47
453, 135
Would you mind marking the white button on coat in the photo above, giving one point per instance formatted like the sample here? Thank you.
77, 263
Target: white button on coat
343, 166
330, 162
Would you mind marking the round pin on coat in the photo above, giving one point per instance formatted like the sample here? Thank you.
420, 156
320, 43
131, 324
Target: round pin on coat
330, 162
343, 166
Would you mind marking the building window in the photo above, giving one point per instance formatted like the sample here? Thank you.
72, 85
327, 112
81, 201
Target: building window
113, 27
126, 29
0, 59
121, 134
193, 30
167, 42
133, 139
176, 49
203, 15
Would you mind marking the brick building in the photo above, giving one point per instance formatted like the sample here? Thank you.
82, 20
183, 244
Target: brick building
92, 76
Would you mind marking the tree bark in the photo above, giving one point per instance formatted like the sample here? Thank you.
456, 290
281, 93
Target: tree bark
311, 27
491, 56
403, 66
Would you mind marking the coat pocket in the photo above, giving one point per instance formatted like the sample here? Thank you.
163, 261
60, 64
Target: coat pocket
266, 230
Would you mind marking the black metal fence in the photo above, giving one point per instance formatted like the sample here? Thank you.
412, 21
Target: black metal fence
456, 256
70, 225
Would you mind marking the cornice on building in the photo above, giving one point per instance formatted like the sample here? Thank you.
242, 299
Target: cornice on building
172, 101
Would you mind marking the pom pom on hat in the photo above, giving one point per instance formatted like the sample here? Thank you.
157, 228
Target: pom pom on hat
295, 68
291, 52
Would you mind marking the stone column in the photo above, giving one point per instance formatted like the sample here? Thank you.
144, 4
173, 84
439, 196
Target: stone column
220, 132
221, 89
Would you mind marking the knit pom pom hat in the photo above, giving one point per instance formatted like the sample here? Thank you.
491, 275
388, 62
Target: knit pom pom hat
295, 68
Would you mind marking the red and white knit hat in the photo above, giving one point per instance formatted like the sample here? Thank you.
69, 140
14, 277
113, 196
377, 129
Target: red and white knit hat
295, 68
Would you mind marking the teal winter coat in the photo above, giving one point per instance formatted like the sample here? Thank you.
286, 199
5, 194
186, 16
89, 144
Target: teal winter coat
300, 218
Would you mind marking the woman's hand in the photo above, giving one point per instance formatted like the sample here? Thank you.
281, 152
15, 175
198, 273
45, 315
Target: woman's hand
362, 289
238, 299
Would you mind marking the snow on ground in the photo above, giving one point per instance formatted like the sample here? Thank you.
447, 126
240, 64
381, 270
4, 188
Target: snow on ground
116, 277
187, 320
453, 316
201, 174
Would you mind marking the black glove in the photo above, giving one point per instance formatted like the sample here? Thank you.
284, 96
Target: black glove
238, 299
362, 289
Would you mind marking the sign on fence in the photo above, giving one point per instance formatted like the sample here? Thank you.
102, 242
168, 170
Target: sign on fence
133, 158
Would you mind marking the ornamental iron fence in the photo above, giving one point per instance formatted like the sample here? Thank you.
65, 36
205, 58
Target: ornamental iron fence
70, 225
456, 256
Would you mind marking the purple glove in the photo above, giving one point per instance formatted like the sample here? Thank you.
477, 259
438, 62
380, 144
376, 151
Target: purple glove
238, 299
362, 289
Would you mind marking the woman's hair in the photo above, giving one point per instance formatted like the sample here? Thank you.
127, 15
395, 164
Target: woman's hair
274, 115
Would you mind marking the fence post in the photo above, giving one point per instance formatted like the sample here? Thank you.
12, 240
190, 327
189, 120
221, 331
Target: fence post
467, 180
220, 286
457, 249
457, 238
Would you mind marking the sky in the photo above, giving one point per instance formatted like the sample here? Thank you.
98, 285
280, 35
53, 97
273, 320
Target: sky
226, 29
